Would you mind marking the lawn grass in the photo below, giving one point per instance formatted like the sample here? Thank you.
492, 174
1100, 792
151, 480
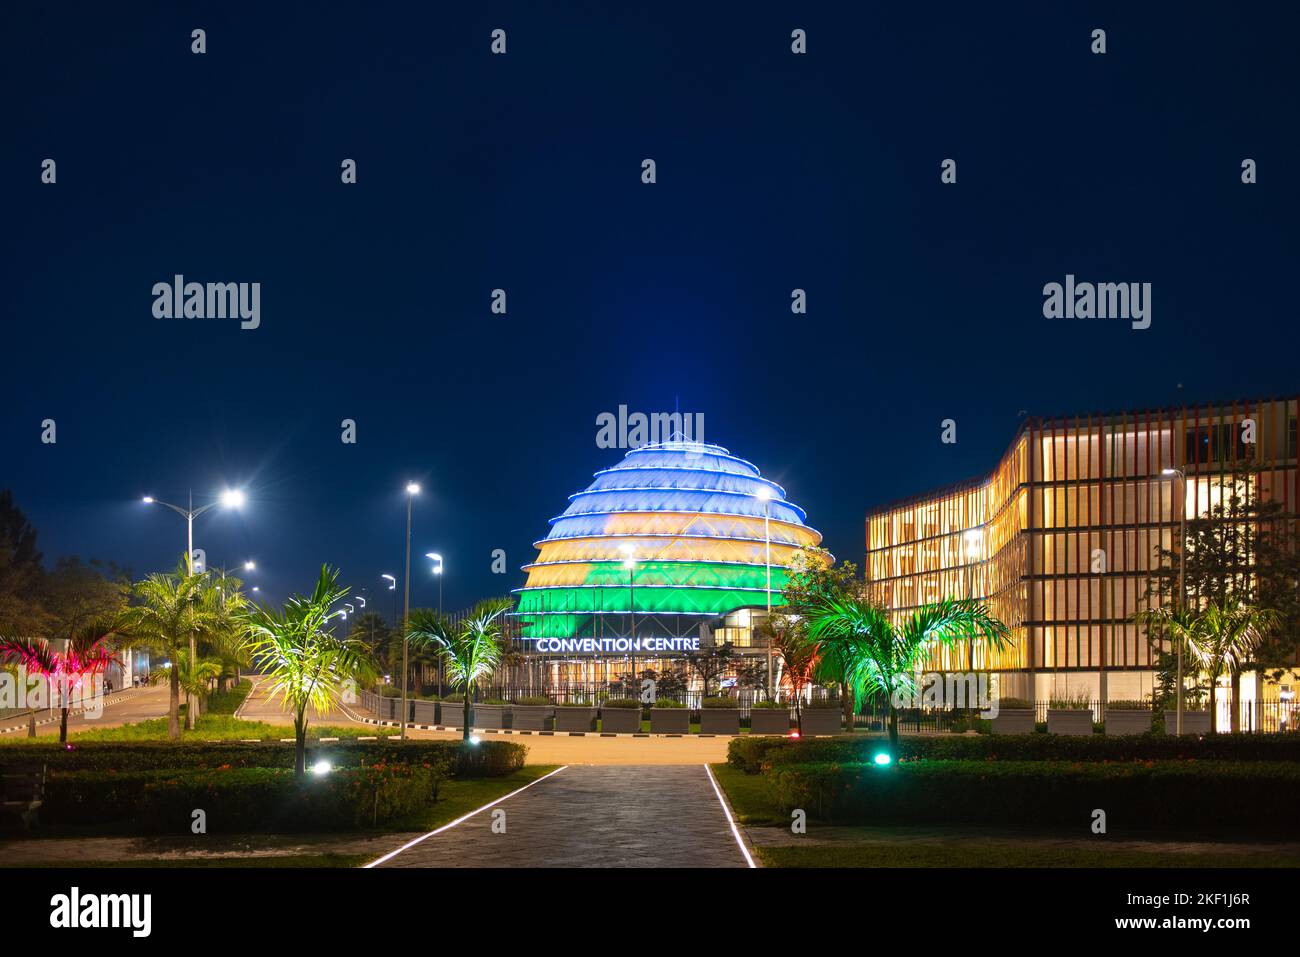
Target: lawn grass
459, 797
748, 797
1018, 854
223, 727
292, 860
228, 702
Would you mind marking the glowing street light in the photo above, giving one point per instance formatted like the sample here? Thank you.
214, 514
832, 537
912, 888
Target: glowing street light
230, 498
412, 490
437, 570
764, 495
1182, 588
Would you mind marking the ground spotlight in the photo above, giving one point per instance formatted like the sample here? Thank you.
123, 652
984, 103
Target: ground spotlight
883, 758
321, 767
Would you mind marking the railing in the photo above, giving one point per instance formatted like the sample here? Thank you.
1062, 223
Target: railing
1263, 716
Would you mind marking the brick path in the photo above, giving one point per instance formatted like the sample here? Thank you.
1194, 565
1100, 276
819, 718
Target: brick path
594, 816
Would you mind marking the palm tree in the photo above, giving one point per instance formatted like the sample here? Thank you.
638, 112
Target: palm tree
883, 659
174, 610
309, 666
1221, 636
471, 649
85, 656
193, 679
798, 657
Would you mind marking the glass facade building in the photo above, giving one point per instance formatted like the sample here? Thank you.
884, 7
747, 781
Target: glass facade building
1061, 538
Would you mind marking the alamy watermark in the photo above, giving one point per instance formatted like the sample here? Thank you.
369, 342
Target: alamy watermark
179, 299
624, 430
20, 690
1102, 300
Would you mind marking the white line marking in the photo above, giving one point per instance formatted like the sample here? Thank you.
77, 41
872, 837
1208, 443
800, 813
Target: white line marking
735, 832
423, 837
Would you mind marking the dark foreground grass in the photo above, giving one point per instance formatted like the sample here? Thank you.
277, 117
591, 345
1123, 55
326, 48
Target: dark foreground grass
297, 860
459, 797
218, 727
748, 796
1019, 854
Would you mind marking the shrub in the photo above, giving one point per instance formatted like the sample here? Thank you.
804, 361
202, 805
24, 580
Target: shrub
1019, 704
491, 758
580, 703
238, 800
1153, 795
1129, 705
771, 704
534, 700
457, 696
667, 703
749, 754
494, 701
622, 703
1071, 703
720, 703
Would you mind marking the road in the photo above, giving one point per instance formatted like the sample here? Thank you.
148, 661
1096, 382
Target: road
261, 705
123, 707
625, 816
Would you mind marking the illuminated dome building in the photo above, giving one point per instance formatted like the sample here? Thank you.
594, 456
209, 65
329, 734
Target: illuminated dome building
663, 552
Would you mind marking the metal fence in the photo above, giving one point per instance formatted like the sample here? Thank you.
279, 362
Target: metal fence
1264, 716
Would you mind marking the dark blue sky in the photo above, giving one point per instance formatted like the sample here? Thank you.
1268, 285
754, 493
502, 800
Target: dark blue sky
522, 171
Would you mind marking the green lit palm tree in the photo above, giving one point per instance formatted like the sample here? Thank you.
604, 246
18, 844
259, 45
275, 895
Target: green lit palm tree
472, 648
193, 679
173, 610
857, 639
84, 657
307, 664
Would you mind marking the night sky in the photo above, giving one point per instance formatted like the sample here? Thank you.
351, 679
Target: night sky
523, 172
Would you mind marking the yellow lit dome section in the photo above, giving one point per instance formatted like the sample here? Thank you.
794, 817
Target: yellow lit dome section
674, 534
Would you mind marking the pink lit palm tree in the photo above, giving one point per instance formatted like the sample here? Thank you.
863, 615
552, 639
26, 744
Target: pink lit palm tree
85, 656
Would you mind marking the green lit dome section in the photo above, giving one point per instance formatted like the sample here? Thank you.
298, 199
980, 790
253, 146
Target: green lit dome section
687, 522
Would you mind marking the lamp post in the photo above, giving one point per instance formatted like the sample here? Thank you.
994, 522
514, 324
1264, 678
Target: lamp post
765, 495
437, 570
412, 490
392, 586
1182, 589
249, 566
629, 562
230, 498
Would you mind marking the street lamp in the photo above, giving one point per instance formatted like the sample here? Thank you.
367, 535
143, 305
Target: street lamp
412, 490
765, 496
437, 570
392, 586
1182, 589
629, 562
229, 498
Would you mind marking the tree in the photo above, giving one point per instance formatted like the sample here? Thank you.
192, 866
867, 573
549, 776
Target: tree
1243, 548
76, 593
307, 664
815, 576
711, 663
194, 679
884, 659
21, 614
798, 656
172, 610
470, 649
1218, 637
83, 659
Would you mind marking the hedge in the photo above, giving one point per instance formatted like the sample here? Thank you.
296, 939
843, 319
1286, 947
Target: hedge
749, 754
1137, 796
238, 800
485, 759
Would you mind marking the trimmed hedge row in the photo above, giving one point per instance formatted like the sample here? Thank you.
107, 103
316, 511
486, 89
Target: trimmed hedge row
1136, 796
238, 800
486, 759
749, 754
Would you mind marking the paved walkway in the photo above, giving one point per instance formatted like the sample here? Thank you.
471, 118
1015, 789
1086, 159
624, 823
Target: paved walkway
606, 816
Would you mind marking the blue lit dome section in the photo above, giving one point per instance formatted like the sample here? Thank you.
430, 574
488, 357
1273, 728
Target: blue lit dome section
677, 529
